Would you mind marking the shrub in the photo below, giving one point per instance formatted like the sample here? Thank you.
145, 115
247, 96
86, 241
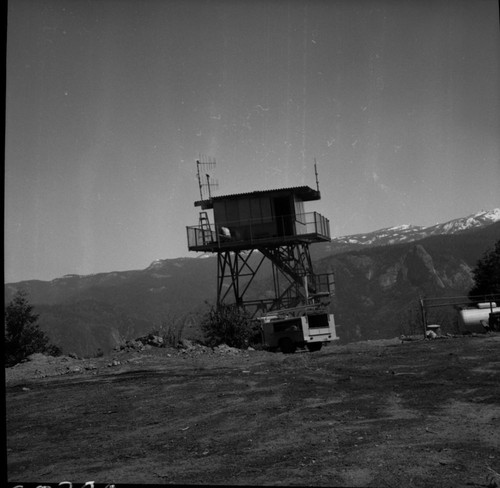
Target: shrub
227, 324
487, 273
23, 336
170, 333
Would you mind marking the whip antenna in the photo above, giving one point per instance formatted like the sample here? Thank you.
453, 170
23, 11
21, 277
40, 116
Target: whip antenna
316, 173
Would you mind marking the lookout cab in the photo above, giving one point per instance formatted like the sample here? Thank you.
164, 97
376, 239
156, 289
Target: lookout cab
247, 229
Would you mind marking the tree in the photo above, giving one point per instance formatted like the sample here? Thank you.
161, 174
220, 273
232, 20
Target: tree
487, 273
227, 324
22, 332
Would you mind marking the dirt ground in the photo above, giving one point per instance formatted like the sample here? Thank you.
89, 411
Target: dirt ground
378, 413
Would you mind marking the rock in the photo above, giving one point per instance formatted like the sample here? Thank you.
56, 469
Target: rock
154, 340
225, 349
136, 345
185, 344
150, 340
37, 356
493, 479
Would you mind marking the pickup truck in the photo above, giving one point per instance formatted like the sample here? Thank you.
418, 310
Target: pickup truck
301, 327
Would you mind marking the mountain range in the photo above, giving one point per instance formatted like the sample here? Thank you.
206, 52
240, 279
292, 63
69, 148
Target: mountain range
409, 233
379, 278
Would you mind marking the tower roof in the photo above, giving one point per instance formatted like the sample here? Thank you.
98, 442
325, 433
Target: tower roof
305, 193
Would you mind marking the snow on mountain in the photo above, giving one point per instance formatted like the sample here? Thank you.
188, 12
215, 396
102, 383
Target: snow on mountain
157, 263
493, 215
408, 233
458, 225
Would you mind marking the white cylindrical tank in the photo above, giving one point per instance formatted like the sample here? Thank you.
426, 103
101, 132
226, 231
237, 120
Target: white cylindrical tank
486, 305
472, 319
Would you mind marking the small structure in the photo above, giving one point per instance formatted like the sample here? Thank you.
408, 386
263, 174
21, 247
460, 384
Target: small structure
433, 331
478, 319
247, 229
260, 218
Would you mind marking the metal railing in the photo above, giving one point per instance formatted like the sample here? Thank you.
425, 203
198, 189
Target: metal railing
258, 230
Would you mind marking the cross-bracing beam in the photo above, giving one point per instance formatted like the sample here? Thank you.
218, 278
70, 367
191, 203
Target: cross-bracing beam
294, 280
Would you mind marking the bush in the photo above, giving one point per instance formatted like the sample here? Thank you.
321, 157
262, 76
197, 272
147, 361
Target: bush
23, 336
487, 273
227, 324
170, 333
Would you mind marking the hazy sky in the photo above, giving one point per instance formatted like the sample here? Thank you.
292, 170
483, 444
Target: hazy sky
110, 103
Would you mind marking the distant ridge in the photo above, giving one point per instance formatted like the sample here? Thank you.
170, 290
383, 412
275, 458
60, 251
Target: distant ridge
410, 233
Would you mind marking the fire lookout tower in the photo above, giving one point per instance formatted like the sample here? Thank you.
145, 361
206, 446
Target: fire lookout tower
270, 226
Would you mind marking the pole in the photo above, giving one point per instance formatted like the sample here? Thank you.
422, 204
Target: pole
424, 317
316, 173
199, 178
208, 185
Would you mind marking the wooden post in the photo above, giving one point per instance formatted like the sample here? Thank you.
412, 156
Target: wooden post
424, 317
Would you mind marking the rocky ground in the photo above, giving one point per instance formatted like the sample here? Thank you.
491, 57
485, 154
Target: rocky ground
379, 413
126, 357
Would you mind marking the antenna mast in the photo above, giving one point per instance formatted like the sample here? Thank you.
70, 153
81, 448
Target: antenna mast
204, 164
316, 173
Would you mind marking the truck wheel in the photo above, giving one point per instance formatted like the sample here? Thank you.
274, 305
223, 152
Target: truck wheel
314, 346
287, 346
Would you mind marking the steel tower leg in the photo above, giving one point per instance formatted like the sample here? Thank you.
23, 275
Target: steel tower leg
235, 272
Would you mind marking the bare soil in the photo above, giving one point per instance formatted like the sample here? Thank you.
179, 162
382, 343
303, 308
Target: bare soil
378, 413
